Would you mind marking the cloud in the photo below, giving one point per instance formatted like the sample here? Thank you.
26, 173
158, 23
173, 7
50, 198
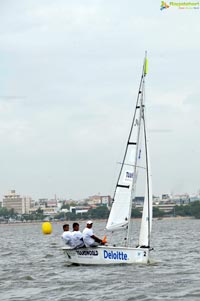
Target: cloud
69, 80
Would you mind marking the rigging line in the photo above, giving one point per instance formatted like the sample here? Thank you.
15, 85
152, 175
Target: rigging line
132, 165
138, 97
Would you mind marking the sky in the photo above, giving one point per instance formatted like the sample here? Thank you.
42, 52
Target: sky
69, 77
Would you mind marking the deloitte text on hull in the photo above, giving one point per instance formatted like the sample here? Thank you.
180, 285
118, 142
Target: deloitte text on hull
115, 255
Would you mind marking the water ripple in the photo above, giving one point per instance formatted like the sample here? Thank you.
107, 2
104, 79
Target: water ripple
33, 267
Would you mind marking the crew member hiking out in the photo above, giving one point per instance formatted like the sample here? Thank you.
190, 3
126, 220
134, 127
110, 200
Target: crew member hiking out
89, 238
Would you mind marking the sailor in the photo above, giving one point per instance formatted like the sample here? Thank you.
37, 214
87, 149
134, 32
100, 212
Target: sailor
67, 235
89, 238
77, 237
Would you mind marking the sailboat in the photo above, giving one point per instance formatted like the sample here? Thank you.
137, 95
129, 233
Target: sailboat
124, 195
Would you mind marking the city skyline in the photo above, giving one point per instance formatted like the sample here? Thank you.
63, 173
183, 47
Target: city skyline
69, 80
58, 198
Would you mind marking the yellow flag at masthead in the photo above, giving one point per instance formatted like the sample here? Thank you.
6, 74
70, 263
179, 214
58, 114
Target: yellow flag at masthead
146, 66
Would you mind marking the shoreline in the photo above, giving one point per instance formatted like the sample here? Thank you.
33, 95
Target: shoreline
95, 220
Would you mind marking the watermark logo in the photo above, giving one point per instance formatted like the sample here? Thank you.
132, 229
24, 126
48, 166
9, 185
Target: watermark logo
164, 5
180, 5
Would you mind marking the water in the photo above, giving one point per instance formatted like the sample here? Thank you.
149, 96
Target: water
32, 267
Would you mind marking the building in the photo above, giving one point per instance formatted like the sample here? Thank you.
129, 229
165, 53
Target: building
52, 203
50, 211
79, 209
42, 203
138, 201
106, 200
99, 200
21, 205
94, 200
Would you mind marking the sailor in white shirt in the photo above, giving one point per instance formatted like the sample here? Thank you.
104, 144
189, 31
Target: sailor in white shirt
77, 237
67, 235
89, 238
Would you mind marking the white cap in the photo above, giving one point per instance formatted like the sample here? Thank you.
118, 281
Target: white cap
89, 222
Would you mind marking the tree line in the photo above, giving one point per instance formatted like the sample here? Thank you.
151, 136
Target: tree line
102, 212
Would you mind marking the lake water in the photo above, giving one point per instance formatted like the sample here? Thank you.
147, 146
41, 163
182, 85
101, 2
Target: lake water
33, 266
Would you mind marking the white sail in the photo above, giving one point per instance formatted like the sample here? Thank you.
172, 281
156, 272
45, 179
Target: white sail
146, 224
119, 214
121, 209
135, 158
118, 218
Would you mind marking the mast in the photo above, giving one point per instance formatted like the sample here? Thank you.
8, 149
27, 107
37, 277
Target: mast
140, 106
147, 175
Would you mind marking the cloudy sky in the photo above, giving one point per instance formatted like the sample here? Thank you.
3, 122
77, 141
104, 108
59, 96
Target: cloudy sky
69, 76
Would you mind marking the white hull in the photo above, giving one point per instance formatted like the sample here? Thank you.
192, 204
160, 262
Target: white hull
104, 255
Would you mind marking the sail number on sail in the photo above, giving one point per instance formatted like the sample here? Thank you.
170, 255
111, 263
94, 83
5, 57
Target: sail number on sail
129, 176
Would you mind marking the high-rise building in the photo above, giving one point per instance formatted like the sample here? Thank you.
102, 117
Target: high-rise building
14, 201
